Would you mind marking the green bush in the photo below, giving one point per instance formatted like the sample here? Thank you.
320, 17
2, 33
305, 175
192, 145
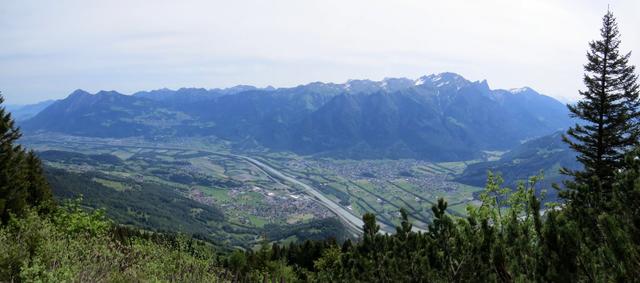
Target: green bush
74, 245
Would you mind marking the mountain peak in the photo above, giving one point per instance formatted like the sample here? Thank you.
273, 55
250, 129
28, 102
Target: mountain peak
361, 86
79, 92
238, 89
396, 84
108, 93
448, 76
521, 90
442, 79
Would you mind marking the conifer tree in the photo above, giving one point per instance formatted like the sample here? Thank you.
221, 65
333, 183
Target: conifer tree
39, 192
22, 182
609, 112
370, 228
13, 193
12, 197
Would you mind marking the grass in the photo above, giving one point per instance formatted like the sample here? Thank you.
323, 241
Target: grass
122, 154
459, 208
290, 239
299, 218
166, 158
425, 169
250, 198
219, 195
455, 167
118, 186
208, 166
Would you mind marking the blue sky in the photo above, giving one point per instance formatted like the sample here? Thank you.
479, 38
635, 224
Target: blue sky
50, 48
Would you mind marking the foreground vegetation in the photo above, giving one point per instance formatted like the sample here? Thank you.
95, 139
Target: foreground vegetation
75, 246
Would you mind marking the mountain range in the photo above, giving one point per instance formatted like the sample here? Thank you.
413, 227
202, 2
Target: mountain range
439, 117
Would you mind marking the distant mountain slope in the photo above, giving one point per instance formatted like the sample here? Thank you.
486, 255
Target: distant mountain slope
108, 114
436, 117
547, 154
382, 125
24, 112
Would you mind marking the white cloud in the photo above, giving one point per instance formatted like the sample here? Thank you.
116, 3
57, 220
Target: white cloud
50, 48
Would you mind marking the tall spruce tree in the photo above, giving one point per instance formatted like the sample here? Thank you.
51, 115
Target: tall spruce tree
609, 113
22, 182
39, 192
11, 198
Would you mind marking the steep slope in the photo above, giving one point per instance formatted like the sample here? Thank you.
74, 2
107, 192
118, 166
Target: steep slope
381, 125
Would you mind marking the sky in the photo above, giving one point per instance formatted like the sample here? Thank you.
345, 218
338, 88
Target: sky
50, 48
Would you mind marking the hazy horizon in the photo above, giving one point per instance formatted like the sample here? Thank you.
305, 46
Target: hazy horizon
51, 48
270, 86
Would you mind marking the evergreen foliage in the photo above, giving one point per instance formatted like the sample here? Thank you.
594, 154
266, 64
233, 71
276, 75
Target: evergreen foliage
22, 183
610, 110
